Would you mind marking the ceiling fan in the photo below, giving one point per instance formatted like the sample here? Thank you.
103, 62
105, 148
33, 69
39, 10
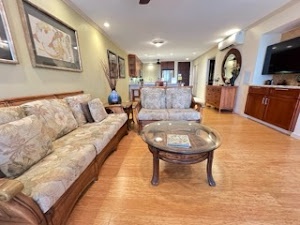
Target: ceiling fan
144, 2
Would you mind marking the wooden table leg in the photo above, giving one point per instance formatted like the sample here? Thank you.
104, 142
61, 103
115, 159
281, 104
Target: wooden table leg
155, 176
210, 178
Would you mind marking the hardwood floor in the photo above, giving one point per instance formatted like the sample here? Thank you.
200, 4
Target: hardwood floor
257, 171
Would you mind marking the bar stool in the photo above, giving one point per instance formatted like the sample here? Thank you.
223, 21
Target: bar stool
135, 94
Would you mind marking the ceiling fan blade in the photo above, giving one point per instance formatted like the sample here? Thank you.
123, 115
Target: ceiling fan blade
144, 2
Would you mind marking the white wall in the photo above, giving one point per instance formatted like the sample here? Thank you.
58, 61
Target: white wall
24, 80
252, 51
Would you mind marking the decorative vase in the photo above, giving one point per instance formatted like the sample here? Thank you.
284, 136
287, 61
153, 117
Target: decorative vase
114, 98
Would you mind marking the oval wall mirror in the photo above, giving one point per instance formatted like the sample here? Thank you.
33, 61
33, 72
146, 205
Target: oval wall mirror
231, 66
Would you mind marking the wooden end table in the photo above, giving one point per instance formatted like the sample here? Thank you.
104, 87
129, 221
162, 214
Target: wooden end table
203, 140
121, 108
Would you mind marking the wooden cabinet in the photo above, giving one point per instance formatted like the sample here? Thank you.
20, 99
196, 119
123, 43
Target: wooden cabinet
277, 106
221, 97
255, 102
134, 66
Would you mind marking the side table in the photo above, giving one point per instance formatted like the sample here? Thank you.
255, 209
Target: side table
121, 108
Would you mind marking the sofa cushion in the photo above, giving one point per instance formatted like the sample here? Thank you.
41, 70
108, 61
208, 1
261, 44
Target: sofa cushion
55, 113
153, 114
98, 134
179, 97
97, 110
22, 143
183, 114
11, 113
74, 103
46, 181
153, 98
86, 112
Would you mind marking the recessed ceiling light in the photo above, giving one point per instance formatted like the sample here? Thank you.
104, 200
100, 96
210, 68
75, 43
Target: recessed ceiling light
194, 53
106, 24
187, 59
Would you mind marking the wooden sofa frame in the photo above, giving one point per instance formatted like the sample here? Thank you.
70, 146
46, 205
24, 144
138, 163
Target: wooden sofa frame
21, 209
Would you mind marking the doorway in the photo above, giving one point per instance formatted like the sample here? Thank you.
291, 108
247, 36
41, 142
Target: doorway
211, 71
184, 70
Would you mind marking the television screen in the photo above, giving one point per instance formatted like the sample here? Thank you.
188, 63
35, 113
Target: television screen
283, 58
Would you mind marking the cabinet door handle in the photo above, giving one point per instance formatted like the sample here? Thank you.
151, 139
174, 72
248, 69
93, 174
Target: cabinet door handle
266, 101
263, 101
281, 89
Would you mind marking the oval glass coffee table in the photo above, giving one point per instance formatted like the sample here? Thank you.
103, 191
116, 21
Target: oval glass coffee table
181, 142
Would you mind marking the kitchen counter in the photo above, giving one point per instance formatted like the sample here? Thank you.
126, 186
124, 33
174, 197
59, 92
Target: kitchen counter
277, 86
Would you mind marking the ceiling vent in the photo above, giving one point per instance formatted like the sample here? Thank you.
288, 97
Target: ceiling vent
235, 39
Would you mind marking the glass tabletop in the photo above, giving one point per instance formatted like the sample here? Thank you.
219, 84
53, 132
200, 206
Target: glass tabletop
181, 137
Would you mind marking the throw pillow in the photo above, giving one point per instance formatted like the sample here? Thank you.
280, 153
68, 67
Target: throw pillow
87, 112
11, 113
56, 115
74, 103
97, 110
22, 144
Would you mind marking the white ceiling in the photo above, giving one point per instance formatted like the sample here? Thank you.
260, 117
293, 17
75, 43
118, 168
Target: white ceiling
189, 27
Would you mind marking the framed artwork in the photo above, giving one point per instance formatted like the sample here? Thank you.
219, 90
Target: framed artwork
51, 43
7, 49
121, 63
113, 64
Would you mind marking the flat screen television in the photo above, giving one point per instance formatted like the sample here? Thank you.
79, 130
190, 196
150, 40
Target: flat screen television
283, 58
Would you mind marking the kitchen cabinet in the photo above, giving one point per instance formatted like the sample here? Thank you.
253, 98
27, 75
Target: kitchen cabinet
275, 105
134, 66
221, 97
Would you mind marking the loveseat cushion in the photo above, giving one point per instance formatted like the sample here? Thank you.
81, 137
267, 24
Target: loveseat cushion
74, 103
55, 113
179, 97
183, 114
98, 134
22, 143
11, 113
153, 114
153, 98
97, 110
48, 180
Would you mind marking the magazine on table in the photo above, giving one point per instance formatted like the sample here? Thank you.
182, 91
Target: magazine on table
178, 140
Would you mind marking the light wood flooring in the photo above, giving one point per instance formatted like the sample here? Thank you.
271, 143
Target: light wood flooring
257, 171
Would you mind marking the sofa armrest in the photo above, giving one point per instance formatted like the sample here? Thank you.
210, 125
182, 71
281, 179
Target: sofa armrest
9, 189
197, 105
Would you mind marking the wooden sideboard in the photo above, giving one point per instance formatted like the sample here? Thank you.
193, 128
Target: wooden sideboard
279, 106
221, 97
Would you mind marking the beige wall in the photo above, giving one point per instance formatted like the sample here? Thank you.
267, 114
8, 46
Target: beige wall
24, 79
151, 72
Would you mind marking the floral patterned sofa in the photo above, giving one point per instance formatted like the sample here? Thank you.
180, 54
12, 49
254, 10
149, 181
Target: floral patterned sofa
167, 103
51, 150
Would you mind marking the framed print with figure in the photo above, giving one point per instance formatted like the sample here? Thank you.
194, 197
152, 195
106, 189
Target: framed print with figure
51, 43
7, 49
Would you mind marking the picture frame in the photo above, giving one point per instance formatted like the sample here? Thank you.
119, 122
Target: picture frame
51, 43
121, 63
112, 64
7, 49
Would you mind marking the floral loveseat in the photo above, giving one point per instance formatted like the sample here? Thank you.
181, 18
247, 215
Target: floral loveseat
49, 155
167, 103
